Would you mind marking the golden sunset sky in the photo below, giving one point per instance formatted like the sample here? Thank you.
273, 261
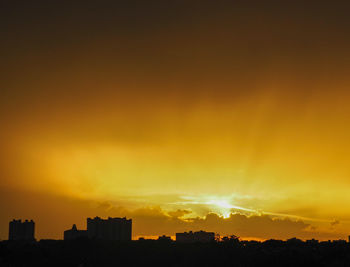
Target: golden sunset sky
228, 116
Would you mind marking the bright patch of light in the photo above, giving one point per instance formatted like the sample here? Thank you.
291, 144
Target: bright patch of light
226, 215
221, 205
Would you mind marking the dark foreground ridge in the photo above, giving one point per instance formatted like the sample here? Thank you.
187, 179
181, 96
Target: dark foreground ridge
87, 252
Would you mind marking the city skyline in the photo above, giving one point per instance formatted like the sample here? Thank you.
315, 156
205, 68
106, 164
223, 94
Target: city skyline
120, 229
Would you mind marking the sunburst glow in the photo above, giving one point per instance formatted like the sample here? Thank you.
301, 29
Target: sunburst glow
178, 115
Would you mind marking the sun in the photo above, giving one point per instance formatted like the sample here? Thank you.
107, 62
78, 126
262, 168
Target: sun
221, 203
222, 207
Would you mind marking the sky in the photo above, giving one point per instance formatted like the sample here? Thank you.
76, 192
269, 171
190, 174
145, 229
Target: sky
225, 116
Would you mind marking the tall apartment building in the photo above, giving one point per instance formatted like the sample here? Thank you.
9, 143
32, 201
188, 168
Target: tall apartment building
19, 230
109, 229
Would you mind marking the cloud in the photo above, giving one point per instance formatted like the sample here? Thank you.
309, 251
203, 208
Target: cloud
54, 213
179, 213
335, 223
152, 221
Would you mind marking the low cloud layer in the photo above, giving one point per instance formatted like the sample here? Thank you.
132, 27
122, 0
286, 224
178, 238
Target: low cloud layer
54, 214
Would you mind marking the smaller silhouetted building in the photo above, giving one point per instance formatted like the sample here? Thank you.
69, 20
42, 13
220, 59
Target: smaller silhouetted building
192, 237
19, 230
312, 242
164, 238
74, 233
340, 241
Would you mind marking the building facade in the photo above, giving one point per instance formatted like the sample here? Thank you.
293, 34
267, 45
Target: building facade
192, 237
109, 229
74, 233
19, 230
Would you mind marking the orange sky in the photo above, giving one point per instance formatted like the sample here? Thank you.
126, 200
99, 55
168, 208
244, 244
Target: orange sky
222, 116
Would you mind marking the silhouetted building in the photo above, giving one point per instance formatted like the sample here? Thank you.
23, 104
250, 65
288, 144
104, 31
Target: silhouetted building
19, 230
110, 229
312, 242
340, 241
74, 233
164, 238
191, 237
